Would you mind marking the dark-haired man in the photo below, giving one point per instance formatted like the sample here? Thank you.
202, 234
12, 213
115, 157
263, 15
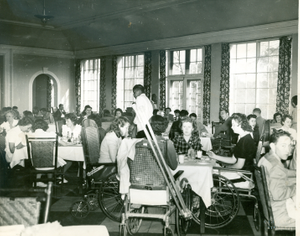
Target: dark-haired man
281, 181
60, 112
225, 128
143, 107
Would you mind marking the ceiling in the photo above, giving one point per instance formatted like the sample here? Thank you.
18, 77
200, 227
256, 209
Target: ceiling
88, 24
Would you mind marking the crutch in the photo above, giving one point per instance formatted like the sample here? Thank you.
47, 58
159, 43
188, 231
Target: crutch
177, 197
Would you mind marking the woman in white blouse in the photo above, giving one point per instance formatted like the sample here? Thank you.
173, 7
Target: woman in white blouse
112, 140
287, 122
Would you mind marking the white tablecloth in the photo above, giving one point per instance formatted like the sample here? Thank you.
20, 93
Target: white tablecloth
199, 175
206, 143
71, 153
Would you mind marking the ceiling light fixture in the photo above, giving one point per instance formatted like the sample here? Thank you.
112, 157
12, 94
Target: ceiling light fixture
44, 18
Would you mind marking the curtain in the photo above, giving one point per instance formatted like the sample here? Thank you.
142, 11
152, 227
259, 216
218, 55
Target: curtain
147, 73
102, 85
207, 84
224, 83
78, 86
284, 74
114, 85
49, 92
162, 81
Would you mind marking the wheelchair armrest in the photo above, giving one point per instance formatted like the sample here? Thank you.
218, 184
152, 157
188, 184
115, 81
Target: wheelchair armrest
178, 174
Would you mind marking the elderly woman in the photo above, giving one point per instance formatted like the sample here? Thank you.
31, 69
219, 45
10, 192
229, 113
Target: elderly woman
287, 122
10, 122
15, 149
244, 151
112, 140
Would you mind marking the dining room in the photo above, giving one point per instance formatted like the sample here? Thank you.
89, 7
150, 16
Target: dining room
80, 58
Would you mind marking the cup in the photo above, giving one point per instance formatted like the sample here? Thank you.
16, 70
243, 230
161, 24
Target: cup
199, 154
181, 158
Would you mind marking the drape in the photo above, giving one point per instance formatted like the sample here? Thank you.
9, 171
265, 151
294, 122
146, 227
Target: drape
49, 92
102, 85
78, 86
147, 73
207, 84
162, 79
114, 85
224, 83
284, 74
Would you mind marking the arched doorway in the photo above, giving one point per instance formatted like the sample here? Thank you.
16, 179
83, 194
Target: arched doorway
44, 92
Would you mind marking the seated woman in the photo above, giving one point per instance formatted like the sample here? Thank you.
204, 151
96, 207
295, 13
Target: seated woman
87, 111
71, 130
10, 122
281, 181
112, 140
118, 113
287, 122
15, 149
188, 142
277, 121
245, 149
70, 133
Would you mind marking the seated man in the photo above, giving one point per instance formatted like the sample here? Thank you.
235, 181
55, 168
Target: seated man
281, 181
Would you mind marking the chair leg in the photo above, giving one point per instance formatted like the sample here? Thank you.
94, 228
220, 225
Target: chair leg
265, 228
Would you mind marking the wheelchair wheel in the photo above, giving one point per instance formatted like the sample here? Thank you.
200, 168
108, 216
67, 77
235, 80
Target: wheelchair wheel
134, 224
225, 203
110, 199
80, 209
182, 224
92, 201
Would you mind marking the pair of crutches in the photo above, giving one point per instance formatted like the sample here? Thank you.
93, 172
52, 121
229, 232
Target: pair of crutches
173, 187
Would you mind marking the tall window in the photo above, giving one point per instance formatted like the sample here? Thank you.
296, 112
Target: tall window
90, 83
185, 81
130, 72
253, 77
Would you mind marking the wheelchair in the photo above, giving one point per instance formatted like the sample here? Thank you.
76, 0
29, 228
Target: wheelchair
152, 185
101, 185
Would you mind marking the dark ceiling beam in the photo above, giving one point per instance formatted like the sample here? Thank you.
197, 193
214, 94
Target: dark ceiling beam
138, 9
27, 24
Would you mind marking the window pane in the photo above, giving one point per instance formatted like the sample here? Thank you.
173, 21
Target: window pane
193, 55
233, 51
176, 95
251, 50
250, 81
241, 51
264, 49
194, 97
262, 80
127, 77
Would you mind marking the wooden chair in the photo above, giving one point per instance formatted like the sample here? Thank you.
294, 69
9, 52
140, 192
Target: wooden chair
258, 152
25, 206
268, 218
42, 153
